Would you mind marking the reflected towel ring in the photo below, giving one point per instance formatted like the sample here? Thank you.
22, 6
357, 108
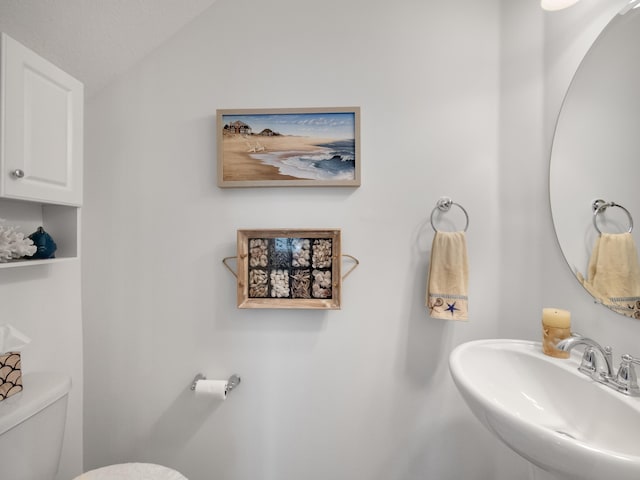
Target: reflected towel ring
599, 206
444, 205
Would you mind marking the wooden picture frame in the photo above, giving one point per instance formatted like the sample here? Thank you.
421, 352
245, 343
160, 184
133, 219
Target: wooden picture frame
309, 147
289, 269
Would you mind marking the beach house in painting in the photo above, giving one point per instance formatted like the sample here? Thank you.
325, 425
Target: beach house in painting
237, 127
267, 132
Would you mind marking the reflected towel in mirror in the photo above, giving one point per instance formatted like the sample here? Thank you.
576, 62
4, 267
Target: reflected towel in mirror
614, 273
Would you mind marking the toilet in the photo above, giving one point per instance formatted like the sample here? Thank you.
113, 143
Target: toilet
32, 429
133, 471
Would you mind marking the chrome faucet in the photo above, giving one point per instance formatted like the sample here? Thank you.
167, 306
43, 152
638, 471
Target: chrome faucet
597, 361
626, 380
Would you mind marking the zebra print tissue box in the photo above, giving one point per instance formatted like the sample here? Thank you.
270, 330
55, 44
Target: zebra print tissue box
10, 374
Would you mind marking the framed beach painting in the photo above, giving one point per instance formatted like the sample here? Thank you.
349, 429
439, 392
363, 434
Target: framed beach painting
289, 147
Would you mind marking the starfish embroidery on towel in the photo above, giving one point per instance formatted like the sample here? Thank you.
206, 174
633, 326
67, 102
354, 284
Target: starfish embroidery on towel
451, 307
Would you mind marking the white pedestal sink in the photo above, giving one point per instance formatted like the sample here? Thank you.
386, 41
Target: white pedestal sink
545, 410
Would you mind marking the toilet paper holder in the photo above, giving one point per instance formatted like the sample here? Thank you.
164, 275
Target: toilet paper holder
232, 382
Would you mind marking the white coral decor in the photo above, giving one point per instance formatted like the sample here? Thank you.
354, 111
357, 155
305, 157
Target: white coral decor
13, 244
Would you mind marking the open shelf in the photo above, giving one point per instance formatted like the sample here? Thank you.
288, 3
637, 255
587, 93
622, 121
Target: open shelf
60, 221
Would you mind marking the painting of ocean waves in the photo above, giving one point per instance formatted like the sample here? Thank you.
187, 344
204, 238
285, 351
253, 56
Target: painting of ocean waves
332, 161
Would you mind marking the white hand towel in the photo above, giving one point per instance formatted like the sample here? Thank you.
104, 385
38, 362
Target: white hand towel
614, 273
448, 277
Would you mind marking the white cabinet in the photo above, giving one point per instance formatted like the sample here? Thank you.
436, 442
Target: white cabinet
41, 148
41, 120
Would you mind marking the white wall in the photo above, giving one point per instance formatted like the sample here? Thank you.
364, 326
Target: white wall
44, 303
457, 99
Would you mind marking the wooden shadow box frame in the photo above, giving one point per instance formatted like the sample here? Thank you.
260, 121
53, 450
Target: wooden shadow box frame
285, 268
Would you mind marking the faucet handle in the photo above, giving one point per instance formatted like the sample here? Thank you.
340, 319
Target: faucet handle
588, 362
626, 378
591, 366
631, 359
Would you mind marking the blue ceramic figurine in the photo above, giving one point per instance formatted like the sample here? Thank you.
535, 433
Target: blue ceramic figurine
46, 247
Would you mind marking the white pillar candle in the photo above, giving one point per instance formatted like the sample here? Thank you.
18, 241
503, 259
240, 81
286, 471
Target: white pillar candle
556, 326
554, 317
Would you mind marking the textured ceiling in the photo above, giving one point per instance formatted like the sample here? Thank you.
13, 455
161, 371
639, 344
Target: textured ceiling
96, 40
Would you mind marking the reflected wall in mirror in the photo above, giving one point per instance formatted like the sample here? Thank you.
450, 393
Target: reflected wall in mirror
596, 156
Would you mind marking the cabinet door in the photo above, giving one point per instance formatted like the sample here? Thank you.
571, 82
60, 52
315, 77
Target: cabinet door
42, 128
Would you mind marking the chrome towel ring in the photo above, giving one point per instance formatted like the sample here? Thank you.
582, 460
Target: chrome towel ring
444, 205
599, 206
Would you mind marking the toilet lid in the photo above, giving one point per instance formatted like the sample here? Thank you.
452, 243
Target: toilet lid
132, 471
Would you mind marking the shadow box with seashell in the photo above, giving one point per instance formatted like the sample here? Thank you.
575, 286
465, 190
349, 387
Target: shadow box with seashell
289, 268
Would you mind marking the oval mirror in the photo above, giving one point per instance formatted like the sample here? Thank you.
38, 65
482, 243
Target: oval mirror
594, 177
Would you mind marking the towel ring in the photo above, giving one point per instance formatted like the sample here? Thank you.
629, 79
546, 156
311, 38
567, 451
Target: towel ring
599, 206
444, 205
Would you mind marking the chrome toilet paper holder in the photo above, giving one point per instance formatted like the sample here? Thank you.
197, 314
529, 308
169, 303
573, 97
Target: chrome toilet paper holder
233, 381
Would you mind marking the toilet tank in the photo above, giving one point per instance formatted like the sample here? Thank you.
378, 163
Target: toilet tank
32, 427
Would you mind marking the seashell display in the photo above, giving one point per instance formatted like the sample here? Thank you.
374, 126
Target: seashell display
280, 252
258, 251
321, 253
321, 287
301, 284
290, 267
300, 252
279, 283
258, 283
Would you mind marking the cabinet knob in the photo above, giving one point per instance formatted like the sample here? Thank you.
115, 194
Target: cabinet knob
17, 173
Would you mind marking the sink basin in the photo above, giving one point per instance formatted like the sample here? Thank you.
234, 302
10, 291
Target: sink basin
545, 410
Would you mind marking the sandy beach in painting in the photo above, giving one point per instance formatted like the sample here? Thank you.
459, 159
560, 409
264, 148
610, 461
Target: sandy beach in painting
242, 155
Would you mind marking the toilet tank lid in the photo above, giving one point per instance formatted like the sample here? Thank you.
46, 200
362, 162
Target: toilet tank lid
39, 390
